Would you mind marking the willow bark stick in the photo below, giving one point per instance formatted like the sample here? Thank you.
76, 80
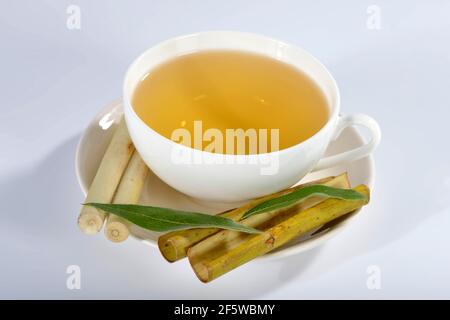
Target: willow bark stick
128, 192
106, 180
174, 245
218, 254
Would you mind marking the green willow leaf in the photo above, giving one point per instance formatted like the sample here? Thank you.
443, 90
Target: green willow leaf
296, 196
163, 219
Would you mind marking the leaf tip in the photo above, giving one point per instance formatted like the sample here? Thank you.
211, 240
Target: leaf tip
88, 204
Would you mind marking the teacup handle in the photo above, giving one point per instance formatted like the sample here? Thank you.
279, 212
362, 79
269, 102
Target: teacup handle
357, 153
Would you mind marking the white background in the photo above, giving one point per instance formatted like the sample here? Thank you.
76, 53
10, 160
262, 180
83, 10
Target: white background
54, 80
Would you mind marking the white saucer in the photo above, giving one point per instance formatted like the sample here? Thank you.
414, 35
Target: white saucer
97, 135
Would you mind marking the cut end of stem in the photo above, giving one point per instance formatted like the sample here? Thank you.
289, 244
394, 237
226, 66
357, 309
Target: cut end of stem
170, 248
116, 231
90, 223
202, 271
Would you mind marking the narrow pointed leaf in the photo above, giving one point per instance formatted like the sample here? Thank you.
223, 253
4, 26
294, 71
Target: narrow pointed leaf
164, 219
296, 196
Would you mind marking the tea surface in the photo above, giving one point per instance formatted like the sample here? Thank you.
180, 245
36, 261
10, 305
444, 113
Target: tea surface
231, 90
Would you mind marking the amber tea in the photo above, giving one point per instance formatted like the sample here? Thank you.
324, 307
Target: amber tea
223, 90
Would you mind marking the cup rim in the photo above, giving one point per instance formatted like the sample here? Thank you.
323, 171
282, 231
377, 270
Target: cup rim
333, 114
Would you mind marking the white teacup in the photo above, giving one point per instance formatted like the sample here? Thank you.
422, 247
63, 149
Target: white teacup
234, 178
